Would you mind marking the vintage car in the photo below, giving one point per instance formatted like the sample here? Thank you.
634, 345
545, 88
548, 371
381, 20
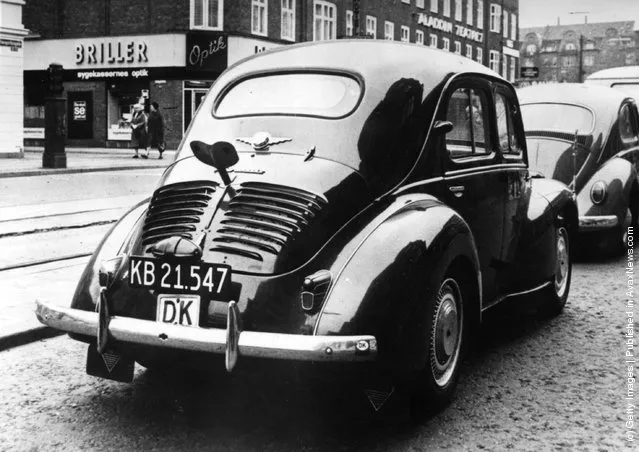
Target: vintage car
624, 78
587, 137
346, 206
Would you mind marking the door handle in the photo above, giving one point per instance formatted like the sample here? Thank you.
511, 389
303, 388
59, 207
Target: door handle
457, 190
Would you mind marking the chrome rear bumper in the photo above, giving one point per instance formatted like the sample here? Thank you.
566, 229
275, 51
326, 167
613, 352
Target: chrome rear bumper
597, 223
231, 341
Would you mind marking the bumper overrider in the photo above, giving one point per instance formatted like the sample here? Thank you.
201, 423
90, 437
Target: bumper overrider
597, 223
231, 342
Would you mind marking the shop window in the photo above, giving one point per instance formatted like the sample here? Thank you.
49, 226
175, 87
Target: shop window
405, 34
467, 111
288, 20
389, 30
121, 98
480, 14
349, 22
193, 95
207, 14
324, 14
259, 15
419, 37
371, 26
495, 17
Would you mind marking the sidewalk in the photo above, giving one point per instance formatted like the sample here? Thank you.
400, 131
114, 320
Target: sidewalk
81, 160
54, 278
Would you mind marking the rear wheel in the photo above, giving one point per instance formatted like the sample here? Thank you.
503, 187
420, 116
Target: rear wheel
434, 385
557, 292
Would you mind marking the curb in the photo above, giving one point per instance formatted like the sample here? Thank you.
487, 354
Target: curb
28, 336
49, 171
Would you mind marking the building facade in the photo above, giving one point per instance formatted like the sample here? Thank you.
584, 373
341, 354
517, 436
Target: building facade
115, 52
569, 53
12, 33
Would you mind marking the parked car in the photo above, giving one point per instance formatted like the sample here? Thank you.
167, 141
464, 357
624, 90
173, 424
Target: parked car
587, 136
624, 78
354, 203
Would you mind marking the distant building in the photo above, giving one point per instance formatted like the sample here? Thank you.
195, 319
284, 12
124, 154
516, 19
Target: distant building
569, 53
116, 51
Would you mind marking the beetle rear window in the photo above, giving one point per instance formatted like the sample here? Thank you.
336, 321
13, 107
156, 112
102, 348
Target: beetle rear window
557, 117
308, 94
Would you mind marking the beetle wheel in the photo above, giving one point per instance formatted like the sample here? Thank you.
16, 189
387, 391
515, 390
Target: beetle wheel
557, 294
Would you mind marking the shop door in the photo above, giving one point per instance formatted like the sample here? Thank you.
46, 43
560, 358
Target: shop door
80, 115
192, 99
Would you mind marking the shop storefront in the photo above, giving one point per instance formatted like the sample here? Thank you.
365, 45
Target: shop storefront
105, 77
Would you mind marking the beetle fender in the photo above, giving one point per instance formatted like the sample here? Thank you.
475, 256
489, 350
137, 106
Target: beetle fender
87, 290
390, 277
619, 175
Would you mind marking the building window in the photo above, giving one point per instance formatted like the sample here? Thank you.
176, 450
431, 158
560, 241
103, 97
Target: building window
493, 61
480, 55
419, 37
389, 31
469, 51
513, 27
504, 67
323, 20
458, 47
288, 20
569, 61
446, 43
371, 26
505, 24
590, 45
480, 14
571, 46
433, 40
259, 17
447, 8
469, 12
513, 69
433, 6
458, 10
349, 22
419, 3
405, 34
207, 14
495, 17
589, 60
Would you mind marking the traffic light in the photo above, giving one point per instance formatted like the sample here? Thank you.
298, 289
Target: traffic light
54, 79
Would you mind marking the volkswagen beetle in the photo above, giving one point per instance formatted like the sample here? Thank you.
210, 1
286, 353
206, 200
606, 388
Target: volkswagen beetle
587, 136
347, 204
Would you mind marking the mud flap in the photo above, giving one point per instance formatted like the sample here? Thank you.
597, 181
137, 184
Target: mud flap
109, 365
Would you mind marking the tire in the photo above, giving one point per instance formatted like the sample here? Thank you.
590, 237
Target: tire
556, 295
446, 329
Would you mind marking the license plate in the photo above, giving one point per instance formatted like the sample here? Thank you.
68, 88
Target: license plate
179, 309
191, 277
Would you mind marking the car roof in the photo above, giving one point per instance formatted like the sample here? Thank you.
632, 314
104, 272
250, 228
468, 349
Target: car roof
366, 57
615, 73
592, 96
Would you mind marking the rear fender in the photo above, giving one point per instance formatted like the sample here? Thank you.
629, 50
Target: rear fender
620, 176
386, 282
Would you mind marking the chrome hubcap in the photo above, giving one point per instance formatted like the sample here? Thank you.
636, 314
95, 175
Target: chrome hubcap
563, 262
447, 332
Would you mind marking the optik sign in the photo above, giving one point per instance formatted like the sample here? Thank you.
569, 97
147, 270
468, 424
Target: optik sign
206, 52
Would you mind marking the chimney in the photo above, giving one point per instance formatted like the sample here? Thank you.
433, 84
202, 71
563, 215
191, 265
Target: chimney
558, 22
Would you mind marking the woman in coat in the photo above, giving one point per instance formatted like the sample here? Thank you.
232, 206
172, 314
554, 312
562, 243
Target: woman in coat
139, 130
156, 129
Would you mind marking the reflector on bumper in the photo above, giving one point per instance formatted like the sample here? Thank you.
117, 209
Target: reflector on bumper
210, 340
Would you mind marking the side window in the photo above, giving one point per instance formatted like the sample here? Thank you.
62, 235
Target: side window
627, 127
467, 109
506, 130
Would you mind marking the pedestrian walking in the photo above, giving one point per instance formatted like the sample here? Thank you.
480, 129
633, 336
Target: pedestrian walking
139, 134
156, 129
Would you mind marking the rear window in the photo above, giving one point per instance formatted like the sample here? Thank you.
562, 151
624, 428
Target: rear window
308, 94
557, 117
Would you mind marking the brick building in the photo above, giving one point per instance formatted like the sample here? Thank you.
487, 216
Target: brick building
569, 53
116, 51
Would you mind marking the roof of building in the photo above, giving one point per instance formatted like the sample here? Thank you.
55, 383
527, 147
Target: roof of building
592, 30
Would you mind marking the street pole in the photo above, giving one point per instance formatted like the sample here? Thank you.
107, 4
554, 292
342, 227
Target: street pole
356, 18
54, 120
581, 58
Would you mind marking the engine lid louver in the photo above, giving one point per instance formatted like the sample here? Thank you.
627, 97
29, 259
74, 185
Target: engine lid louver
177, 209
262, 218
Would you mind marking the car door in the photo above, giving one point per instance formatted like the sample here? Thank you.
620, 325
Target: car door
510, 138
473, 184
